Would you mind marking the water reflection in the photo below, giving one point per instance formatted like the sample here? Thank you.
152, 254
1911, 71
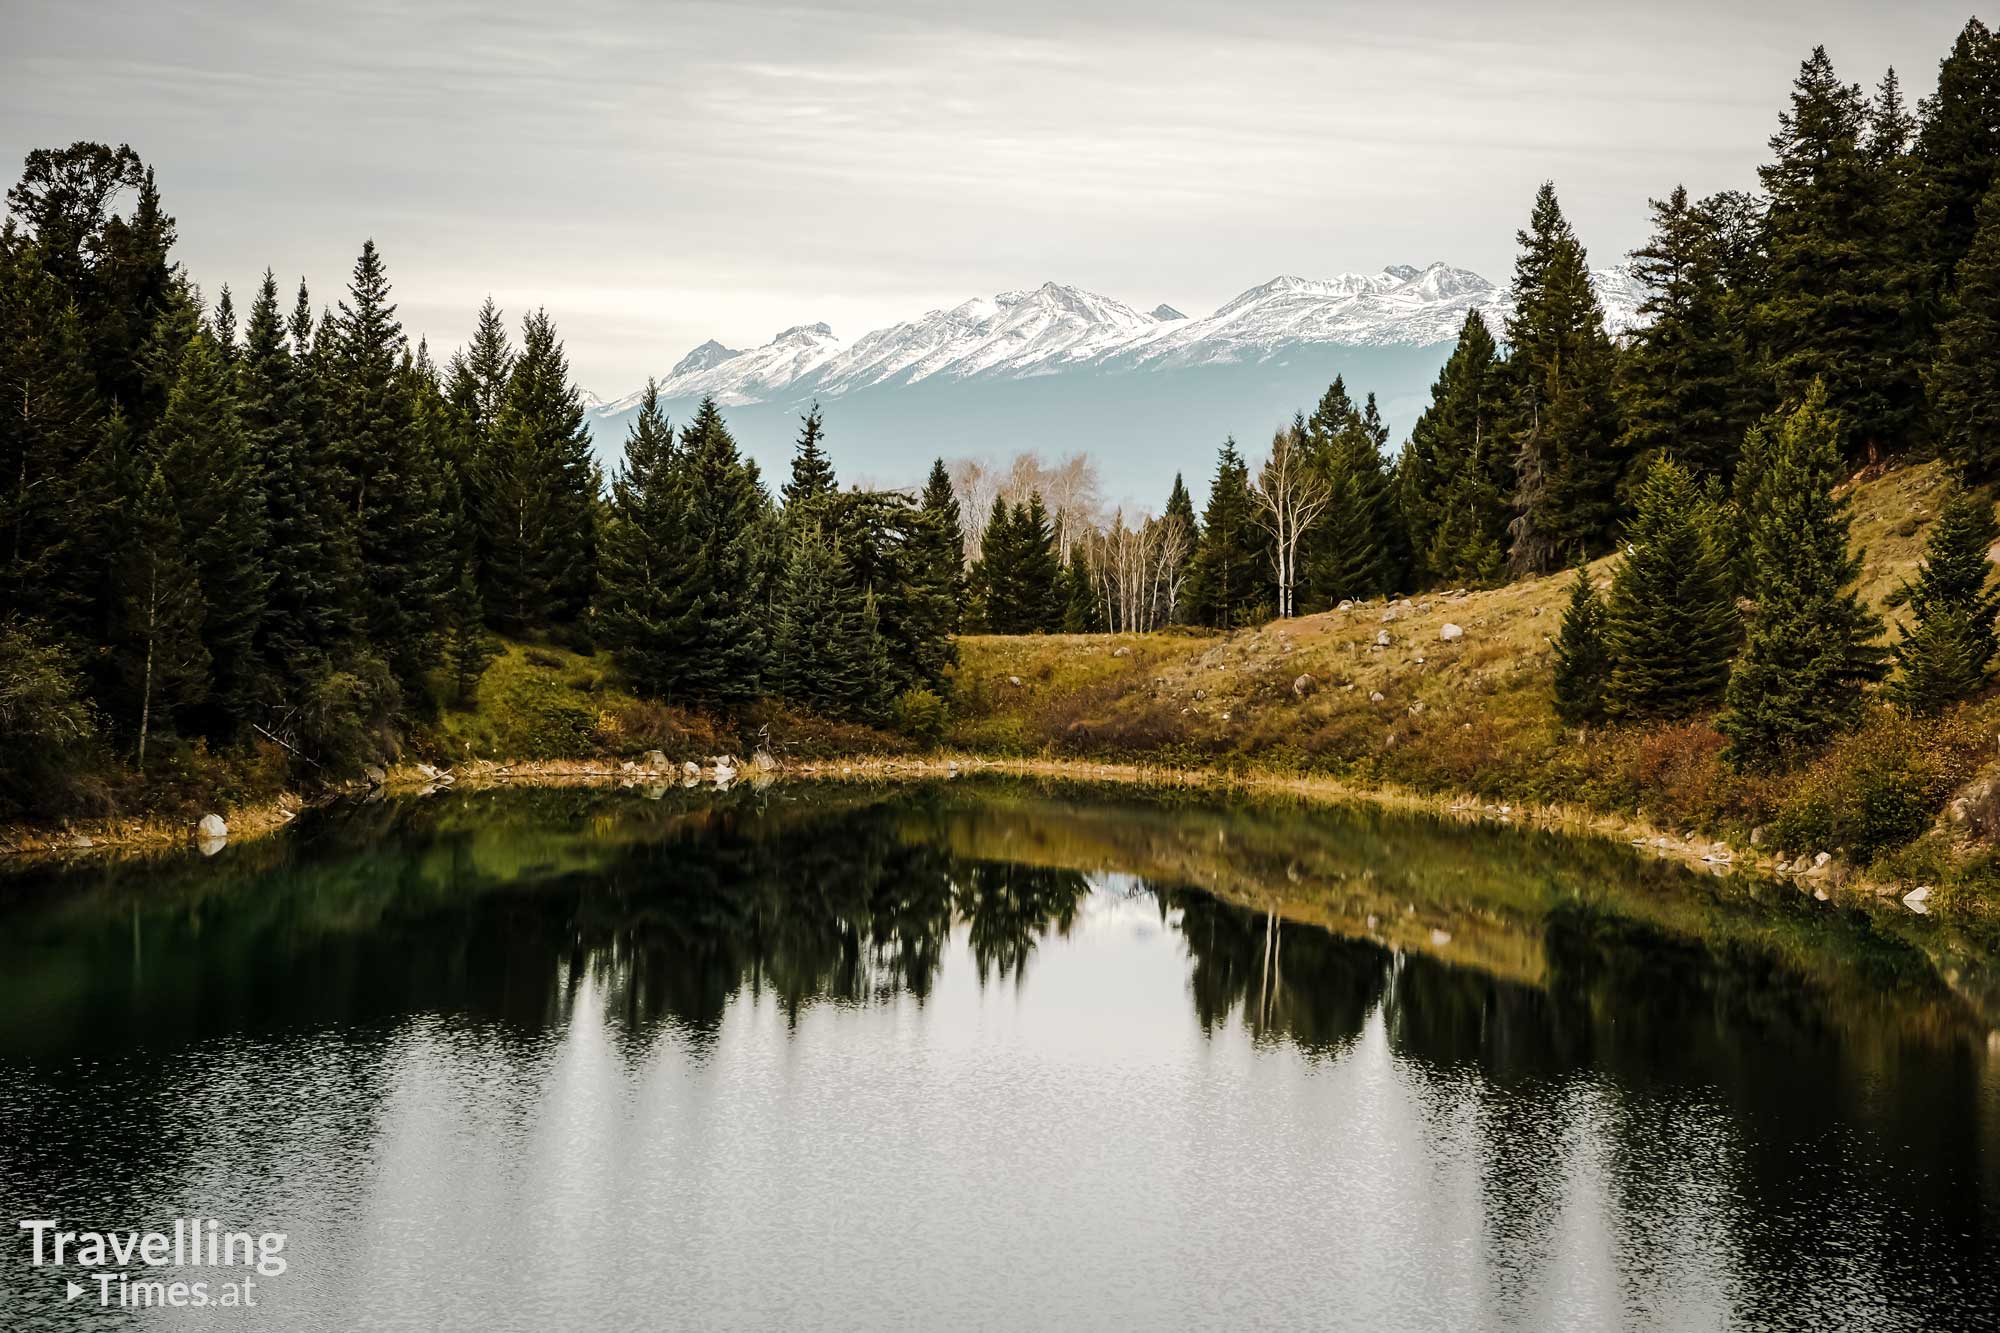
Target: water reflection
1454, 1076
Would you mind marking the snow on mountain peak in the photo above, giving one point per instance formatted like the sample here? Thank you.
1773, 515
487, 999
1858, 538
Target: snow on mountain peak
1055, 327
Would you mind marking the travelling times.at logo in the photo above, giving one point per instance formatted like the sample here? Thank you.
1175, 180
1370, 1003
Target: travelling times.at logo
197, 1264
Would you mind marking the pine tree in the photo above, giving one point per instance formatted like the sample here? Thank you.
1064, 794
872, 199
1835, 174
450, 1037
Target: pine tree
1563, 420
1350, 551
468, 648
1683, 382
1020, 574
1957, 155
812, 482
113, 266
56, 498
718, 629
641, 594
222, 326
217, 490
1456, 471
540, 492
1180, 535
1082, 612
827, 654
1227, 576
1809, 648
1948, 654
893, 548
940, 550
1841, 281
996, 551
371, 437
1670, 626
1583, 660
1964, 386
302, 616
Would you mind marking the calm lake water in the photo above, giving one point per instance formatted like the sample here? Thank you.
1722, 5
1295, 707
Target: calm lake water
995, 1055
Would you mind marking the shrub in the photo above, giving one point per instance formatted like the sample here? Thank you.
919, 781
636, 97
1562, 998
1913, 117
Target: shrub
919, 714
634, 726
537, 657
44, 718
1879, 787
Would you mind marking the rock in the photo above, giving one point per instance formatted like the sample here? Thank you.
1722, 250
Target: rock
1440, 938
1199, 695
654, 759
1381, 638
1758, 836
762, 762
689, 769
1375, 697
1451, 633
83, 842
1346, 604
375, 774
1821, 859
1389, 616
1304, 686
1417, 661
1015, 681
211, 826
1821, 894
1121, 652
1918, 899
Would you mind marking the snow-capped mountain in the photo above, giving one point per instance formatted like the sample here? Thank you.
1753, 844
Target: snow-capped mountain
1055, 328
1060, 369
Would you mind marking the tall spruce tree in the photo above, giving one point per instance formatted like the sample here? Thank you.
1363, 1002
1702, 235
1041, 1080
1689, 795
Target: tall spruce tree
1020, 575
884, 537
390, 474
812, 482
1840, 280
60, 490
1456, 471
1227, 578
996, 549
1350, 550
642, 596
718, 632
1810, 644
1963, 380
1947, 654
1684, 381
540, 492
1180, 536
940, 548
1583, 659
302, 614
1957, 155
217, 489
1082, 612
1670, 626
1562, 415
827, 653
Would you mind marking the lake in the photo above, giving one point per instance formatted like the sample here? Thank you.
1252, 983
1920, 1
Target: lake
991, 1054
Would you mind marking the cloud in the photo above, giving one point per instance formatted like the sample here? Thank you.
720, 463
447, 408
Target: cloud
657, 174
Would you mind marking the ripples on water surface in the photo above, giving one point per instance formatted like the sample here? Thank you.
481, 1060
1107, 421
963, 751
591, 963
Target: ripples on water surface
997, 1055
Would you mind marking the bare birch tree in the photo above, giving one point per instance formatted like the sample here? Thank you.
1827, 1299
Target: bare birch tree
1290, 496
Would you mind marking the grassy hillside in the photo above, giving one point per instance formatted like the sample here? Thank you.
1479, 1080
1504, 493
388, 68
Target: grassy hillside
1475, 714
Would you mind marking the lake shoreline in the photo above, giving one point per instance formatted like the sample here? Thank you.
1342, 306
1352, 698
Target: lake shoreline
30, 844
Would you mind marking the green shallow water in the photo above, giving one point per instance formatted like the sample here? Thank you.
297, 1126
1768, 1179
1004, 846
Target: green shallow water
994, 1054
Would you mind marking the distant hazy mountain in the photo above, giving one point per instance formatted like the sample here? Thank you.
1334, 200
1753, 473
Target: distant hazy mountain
1059, 369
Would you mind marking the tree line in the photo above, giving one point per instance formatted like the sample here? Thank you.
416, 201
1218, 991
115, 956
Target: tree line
304, 530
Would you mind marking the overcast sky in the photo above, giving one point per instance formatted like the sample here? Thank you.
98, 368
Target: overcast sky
659, 173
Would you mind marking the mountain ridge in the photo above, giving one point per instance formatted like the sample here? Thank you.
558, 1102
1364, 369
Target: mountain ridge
1057, 328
